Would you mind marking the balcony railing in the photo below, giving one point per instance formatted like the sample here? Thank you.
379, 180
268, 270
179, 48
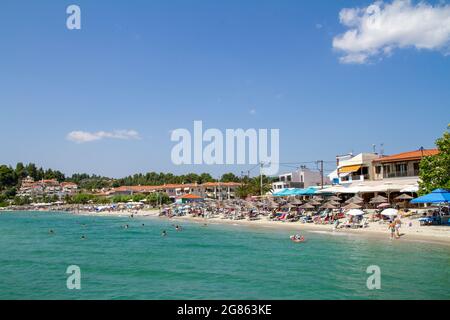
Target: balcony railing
355, 177
401, 174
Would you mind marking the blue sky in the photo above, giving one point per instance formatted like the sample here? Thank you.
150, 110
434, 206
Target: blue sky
154, 66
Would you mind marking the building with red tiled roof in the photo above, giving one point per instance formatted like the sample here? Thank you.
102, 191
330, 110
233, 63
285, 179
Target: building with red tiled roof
48, 187
217, 190
186, 198
407, 156
221, 184
405, 164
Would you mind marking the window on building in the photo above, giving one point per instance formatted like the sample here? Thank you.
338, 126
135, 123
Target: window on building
401, 167
416, 168
378, 169
289, 178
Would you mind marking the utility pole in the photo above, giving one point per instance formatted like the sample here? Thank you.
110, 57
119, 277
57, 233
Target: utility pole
220, 189
321, 173
261, 164
337, 168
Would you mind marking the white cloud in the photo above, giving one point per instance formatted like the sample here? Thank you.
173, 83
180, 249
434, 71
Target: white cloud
84, 136
380, 28
252, 111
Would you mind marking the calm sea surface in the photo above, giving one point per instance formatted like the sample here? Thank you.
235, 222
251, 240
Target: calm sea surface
206, 262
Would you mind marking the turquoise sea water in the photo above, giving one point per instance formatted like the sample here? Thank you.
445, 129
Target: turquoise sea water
212, 262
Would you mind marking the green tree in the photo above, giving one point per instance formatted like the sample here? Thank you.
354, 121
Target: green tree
157, 198
229, 177
10, 192
8, 177
435, 170
252, 187
3, 200
20, 201
205, 177
82, 198
20, 171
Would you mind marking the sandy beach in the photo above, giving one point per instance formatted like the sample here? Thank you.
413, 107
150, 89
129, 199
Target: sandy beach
410, 230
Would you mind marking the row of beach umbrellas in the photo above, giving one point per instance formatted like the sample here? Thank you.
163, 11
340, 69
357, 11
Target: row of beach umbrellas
387, 212
332, 202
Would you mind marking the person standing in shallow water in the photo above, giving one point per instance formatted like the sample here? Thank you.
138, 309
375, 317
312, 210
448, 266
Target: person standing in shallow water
391, 228
398, 224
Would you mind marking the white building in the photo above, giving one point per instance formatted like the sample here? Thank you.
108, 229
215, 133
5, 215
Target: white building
301, 178
355, 169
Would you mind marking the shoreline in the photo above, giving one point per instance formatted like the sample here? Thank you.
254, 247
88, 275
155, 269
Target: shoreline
442, 237
413, 233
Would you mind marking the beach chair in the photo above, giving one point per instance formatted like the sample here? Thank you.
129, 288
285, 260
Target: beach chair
346, 224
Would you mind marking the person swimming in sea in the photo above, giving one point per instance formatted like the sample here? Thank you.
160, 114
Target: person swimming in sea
126, 226
299, 237
51, 231
83, 237
143, 225
178, 228
164, 233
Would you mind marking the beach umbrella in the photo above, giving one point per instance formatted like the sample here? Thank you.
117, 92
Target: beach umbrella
307, 206
334, 198
288, 206
352, 206
296, 202
437, 196
249, 205
354, 201
355, 212
383, 205
404, 197
334, 203
378, 199
328, 206
314, 202
272, 205
389, 212
318, 198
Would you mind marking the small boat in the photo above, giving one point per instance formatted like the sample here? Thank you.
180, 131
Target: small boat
294, 239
